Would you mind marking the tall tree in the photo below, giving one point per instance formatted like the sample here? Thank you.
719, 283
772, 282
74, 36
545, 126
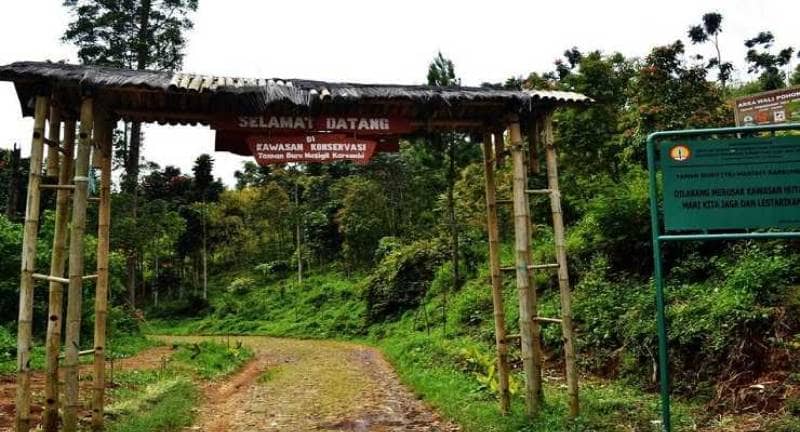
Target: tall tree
133, 34
709, 31
441, 72
762, 60
203, 180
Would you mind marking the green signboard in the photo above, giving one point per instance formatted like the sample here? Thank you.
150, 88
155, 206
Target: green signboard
731, 183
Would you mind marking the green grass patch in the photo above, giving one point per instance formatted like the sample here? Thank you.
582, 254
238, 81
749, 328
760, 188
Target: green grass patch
269, 375
164, 405
210, 359
431, 367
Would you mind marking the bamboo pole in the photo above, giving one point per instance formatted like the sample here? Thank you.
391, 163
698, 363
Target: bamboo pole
56, 294
563, 274
103, 136
533, 146
79, 200
494, 269
25, 319
54, 136
529, 337
499, 149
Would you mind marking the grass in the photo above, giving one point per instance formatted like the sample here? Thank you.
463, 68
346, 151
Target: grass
164, 399
165, 405
211, 360
427, 365
118, 347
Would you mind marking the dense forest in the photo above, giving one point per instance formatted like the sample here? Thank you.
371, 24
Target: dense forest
395, 252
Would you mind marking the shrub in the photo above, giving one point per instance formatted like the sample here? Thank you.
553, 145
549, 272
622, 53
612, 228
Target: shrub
401, 279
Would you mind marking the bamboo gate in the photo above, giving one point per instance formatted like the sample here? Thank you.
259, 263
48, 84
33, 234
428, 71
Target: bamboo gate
63, 99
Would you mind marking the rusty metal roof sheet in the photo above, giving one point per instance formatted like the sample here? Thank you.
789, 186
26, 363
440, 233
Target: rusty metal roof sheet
209, 94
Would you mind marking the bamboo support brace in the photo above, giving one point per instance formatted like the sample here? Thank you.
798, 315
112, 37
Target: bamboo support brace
529, 329
496, 282
25, 318
50, 278
56, 292
52, 141
531, 267
567, 328
76, 245
103, 138
80, 353
65, 187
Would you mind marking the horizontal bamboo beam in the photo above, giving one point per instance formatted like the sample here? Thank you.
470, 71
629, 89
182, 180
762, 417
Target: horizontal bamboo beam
90, 277
548, 320
543, 266
80, 353
57, 186
531, 267
539, 191
49, 278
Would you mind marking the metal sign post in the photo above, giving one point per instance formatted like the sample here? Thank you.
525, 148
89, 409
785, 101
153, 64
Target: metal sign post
738, 183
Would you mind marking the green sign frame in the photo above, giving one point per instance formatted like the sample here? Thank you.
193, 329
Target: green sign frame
696, 227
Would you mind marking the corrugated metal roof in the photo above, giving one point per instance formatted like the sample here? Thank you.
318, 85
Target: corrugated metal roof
206, 94
560, 96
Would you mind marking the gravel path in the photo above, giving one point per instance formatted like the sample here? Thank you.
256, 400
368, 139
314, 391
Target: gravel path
301, 385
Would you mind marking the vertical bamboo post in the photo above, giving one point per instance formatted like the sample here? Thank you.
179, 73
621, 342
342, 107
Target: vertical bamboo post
563, 274
534, 133
103, 130
499, 149
494, 269
53, 135
56, 294
74, 299
528, 328
25, 319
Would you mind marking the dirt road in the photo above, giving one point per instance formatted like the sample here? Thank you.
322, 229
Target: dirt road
296, 385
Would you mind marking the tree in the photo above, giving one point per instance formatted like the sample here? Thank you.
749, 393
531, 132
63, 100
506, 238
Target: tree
709, 31
761, 60
133, 34
441, 72
795, 80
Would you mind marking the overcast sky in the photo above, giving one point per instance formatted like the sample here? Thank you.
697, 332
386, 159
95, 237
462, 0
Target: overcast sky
387, 42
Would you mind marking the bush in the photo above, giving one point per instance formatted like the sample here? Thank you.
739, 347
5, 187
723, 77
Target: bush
8, 345
401, 279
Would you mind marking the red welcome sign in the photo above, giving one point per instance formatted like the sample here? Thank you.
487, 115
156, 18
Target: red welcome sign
279, 149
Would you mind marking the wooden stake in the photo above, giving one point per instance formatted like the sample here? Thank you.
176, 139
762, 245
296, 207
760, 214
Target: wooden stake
25, 319
531, 353
103, 137
563, 274
56, 296
54, 136
79, 200
496, 278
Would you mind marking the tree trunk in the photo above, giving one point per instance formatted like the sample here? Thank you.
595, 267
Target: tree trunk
131, 268
451, 210
13, 184
131, 180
